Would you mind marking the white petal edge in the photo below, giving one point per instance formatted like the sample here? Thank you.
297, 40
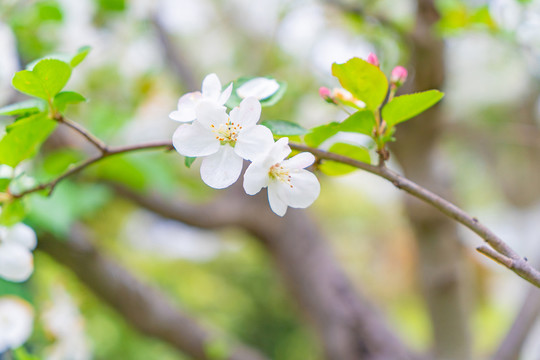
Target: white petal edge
304, 191
278, 151
225, 95
248, 113
21, 234
221, 169
195, 140
254, 142
299, 161
255, 178
260, 88
278, 206
186, 107
16, 262
211, 87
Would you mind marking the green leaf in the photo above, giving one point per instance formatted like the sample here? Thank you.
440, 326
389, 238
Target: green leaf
319, 134
235, 100
80, 56
361, 122
188, 161
335, 168
364, 81
26, 107
405, 107
24, 137
12, 212
284, 127
45, 80
62, 99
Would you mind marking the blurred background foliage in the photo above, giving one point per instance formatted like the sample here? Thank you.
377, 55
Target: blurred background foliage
490, 148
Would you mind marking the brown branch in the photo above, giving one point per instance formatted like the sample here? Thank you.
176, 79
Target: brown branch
148, 310
166, 145
518, 265
348, 325
100, 145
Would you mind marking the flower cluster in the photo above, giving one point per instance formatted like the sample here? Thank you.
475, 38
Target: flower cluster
224, 140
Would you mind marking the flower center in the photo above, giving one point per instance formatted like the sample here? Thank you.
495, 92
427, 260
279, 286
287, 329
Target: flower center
278, 172
227, 133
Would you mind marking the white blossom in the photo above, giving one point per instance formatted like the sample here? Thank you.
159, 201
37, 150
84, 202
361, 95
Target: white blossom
211, 92
16, 322
16, 245
260, 88
287, 181
223, 140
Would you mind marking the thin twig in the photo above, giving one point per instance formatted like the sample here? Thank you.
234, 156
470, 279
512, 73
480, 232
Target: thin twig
517, 264
166, 145
100, 145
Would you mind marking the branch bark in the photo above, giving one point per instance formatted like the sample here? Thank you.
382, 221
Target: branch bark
347, 324
141, 305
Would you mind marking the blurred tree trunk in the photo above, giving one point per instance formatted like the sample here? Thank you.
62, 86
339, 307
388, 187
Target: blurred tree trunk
441, 260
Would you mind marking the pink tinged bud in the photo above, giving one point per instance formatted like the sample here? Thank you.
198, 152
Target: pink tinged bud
399, 75
324, 92
372, 59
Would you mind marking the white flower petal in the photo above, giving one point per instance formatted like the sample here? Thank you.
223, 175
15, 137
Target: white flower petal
16, 262
195, 140
21, 234
186, 107
248, 113
16, 322
299, 161
209, 113
278, 151
255, 178
277, 205
221, 169
260, 88
304, 191
254, 142
225, 95
211, 87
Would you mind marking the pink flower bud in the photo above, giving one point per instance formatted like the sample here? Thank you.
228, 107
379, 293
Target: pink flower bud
399, 75
372, 59
325, 92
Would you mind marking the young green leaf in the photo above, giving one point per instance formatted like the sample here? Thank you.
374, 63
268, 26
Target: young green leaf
26, 107
45, 80
284, 127
62, 99
319, 134
405, 107
364, 81
12, 212
361, 122
24, 137
79, 56
355, 152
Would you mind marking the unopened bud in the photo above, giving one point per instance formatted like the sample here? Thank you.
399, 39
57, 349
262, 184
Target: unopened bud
326, 94
398, 76
372, 59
